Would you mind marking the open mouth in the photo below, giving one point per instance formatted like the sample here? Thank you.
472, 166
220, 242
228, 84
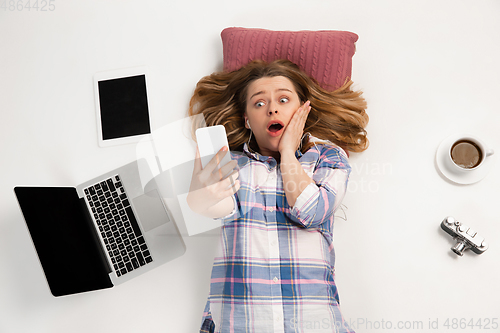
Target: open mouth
275, 127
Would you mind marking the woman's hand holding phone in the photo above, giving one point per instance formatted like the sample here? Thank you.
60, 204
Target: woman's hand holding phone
210, 192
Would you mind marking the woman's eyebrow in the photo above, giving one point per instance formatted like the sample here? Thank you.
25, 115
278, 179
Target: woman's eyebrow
263, 91
257, 93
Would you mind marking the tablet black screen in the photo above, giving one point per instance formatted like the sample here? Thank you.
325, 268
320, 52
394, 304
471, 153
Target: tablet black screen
124, 107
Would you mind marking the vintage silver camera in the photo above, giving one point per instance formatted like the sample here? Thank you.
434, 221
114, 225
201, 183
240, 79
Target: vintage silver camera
467, 238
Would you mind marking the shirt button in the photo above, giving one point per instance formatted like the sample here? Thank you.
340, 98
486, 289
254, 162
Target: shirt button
275, 279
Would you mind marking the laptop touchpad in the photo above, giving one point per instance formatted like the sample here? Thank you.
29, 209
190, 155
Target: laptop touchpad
152, 213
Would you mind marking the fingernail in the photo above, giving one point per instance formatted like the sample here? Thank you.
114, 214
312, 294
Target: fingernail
224, 148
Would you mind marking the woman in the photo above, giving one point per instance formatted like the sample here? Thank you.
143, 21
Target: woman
275, 269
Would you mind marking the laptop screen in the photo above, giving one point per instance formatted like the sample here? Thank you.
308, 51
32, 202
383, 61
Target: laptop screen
64, 238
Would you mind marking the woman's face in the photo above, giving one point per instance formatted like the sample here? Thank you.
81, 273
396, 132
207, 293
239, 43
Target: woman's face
270, 105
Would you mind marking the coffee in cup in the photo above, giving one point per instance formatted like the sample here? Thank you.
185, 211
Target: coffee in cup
468, 153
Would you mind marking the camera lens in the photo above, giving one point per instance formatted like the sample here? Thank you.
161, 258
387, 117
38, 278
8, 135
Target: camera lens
459, 248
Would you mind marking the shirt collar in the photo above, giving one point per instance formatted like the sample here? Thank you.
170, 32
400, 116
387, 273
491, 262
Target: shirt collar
257, 156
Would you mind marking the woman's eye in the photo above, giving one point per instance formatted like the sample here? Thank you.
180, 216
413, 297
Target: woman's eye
283, 99
259, 104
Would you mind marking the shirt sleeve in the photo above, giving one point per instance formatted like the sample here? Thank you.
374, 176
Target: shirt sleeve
234, 214
318, 201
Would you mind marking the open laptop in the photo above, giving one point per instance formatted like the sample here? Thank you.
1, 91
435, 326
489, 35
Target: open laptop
102, 233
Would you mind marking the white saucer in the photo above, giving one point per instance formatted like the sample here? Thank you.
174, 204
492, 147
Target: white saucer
470, 177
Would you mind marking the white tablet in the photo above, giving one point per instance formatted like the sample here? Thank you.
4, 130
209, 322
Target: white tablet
121, 102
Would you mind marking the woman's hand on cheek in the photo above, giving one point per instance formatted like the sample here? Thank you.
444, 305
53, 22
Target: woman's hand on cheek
292, 135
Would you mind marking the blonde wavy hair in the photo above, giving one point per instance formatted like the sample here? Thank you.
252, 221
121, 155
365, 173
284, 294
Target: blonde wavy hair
337, 116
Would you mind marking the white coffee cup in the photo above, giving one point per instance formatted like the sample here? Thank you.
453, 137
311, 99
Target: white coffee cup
466, 153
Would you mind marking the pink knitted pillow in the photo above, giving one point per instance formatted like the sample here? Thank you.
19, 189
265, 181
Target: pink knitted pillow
323, 55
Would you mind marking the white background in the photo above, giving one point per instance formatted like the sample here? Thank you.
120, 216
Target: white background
428, 69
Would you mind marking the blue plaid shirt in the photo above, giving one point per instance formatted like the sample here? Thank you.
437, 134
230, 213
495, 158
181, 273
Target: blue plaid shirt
275, 270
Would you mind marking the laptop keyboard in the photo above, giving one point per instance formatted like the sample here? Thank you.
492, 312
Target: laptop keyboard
118, 226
